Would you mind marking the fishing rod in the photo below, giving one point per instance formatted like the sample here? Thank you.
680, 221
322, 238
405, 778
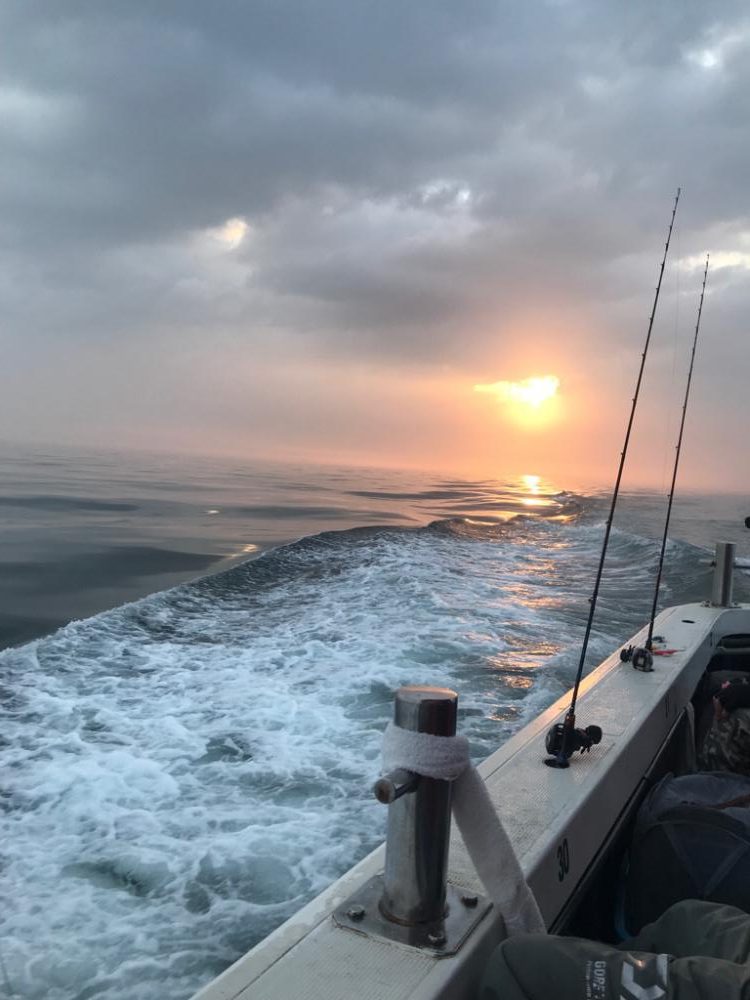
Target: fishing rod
648, 658
563, 739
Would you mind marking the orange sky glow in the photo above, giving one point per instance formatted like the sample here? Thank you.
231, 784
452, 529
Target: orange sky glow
568, 430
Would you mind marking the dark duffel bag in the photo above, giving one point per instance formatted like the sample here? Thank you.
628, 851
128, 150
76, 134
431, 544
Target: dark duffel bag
691, 841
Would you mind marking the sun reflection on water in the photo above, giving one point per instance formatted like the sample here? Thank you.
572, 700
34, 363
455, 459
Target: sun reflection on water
534, 487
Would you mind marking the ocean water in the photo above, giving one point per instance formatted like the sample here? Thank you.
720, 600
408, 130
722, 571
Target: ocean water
184, 771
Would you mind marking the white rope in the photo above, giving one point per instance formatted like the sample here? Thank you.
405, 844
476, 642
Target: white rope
489, 847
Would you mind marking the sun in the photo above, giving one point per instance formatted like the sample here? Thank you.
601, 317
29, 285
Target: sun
528, 400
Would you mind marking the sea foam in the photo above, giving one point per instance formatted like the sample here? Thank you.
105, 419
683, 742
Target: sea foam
184, 772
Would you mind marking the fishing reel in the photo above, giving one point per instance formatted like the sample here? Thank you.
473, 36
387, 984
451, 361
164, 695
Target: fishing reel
563, 739
641, 658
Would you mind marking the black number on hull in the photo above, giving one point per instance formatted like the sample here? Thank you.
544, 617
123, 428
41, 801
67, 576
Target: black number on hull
563, 860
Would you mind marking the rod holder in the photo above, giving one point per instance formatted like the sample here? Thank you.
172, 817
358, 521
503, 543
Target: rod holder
419, 822
411, 902
721, 591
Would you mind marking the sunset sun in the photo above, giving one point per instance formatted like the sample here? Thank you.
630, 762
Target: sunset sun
528, 400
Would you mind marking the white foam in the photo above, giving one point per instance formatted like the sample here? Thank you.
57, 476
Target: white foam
183, 773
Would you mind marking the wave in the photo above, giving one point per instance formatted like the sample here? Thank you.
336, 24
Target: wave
185, 771
57, 504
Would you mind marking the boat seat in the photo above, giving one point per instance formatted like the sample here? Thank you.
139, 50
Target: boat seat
732, 653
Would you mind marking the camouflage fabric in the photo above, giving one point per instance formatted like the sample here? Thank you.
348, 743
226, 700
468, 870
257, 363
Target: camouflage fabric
726, 746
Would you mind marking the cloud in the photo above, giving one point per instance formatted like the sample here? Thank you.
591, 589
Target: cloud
429, 185
533, 391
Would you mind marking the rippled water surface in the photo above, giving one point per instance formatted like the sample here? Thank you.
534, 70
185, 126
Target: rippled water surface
183, 772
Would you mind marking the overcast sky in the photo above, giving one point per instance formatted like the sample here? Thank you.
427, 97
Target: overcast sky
309, 229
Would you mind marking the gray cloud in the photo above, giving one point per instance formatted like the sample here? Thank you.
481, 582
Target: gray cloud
413, 176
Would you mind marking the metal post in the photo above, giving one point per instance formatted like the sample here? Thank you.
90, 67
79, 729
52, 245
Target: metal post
419, 817
721, 593
412, 902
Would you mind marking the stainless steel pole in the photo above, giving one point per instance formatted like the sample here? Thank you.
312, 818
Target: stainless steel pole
721, 593
416, 854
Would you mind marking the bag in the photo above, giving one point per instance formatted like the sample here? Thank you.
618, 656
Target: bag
691, 841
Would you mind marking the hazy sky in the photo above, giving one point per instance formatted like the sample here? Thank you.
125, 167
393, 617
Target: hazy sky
309, 229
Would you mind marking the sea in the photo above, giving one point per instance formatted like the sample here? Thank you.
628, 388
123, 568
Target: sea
200, 656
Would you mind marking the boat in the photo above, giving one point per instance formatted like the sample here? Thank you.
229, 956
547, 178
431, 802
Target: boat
568, 827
